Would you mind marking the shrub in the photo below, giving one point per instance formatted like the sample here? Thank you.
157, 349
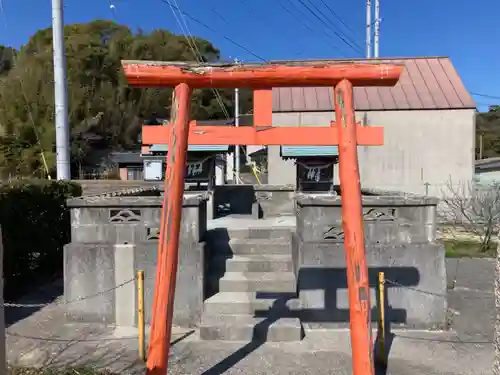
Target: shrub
35, 226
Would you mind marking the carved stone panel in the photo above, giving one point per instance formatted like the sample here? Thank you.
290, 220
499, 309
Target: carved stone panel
263, 196
152, 234
334, 233
124, 216
379, 214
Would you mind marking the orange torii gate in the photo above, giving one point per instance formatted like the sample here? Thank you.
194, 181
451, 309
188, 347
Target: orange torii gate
262, 78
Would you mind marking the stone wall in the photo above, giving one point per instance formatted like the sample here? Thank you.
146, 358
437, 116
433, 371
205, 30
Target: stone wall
112, 238
256, 201
400, 238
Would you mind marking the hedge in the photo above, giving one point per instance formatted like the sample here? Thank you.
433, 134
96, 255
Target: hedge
35, 226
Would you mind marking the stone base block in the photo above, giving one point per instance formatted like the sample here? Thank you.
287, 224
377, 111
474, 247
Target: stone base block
98, 271
415, 287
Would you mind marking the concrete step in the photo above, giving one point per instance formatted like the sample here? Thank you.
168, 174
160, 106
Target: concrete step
284, 282
253, 263
251, 233
281, 304
248, 328
251, 246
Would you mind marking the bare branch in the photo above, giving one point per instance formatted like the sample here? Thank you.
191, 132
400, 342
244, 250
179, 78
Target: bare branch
473, 208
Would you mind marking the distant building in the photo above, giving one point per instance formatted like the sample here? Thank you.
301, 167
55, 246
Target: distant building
130, 164
428, 120
488, 171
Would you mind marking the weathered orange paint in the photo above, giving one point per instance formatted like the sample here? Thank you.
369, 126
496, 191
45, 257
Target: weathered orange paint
168, 74
346, 133
168, 244
352, 219
262, 107
248, 135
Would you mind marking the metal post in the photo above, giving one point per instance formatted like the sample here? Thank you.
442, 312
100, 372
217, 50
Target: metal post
170, 223
352, 215
140, 315
237, 147
368, 29
60, 92
377, 30
381, 320
496, 337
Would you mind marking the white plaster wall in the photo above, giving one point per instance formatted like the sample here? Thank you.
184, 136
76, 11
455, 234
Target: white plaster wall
420, 147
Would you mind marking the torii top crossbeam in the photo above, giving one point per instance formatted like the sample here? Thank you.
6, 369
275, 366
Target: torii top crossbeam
169, 74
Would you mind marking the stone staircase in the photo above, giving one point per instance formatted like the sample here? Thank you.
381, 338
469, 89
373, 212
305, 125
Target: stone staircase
253, 285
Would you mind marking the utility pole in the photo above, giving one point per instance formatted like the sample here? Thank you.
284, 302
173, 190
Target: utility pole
60, 92
237, 147
368, 29
481, 135
377, 30
236, 123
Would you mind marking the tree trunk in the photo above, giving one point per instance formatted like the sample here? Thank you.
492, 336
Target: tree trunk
496, 341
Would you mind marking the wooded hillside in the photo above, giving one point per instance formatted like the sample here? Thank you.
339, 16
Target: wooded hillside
104, 112
488, 125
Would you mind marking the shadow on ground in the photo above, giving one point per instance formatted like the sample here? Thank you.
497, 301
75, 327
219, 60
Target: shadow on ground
42, 297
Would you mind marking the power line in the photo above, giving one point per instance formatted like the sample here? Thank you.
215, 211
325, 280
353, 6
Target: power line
220, 16
215, 31
341, 35
198, 56
338, 17
324, 34
280, 3
326, 25
486, 96
270, 25
195, 50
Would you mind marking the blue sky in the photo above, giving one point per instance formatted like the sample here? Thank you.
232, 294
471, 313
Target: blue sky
468, 32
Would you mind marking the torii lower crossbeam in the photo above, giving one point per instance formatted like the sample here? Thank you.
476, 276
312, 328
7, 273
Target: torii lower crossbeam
270, 136
345, 133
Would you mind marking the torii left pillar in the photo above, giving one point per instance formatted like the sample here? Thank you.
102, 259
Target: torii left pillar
343, 133
170, 223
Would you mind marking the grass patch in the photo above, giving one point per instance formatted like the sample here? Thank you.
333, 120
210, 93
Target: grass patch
467, 249
54, 371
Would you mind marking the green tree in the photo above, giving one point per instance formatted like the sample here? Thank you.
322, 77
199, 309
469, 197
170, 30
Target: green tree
488, 127
104, 113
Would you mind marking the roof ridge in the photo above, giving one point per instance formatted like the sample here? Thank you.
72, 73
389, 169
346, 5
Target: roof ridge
441, 88
365, 59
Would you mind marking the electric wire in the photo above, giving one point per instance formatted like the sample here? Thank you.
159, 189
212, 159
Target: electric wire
195, 50
230, 40
340, 34
197, 53
270, 25
338, 17
25, 97
329, 27
327, 37
486, 96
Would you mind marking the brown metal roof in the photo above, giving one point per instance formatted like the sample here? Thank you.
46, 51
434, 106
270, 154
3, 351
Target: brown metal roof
426, 83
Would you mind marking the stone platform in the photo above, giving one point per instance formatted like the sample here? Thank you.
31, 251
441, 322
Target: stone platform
400, 240
238, 256
112, 238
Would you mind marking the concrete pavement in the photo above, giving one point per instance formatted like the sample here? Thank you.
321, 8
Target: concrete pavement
42, 339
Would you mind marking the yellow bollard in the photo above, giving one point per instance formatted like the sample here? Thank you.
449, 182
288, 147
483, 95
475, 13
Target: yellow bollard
140, 315
381, 321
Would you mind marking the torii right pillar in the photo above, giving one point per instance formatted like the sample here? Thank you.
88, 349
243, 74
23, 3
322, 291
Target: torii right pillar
354, 242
